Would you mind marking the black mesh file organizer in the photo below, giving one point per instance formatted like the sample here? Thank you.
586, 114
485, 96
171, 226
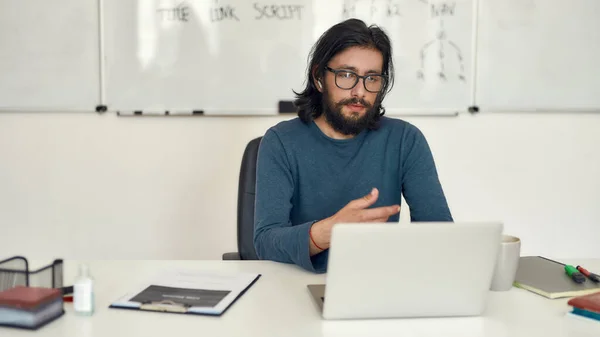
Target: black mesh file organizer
15, 271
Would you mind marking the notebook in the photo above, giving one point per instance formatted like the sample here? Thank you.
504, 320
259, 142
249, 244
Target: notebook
547, 278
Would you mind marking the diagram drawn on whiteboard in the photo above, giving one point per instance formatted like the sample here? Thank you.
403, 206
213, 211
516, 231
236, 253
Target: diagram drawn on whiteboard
447, 50
441, 50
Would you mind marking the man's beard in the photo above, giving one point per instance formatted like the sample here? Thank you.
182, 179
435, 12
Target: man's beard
352, 125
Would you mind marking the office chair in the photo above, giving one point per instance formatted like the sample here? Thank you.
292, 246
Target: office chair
245, 206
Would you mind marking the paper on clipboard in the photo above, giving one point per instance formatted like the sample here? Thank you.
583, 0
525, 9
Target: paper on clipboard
188, 291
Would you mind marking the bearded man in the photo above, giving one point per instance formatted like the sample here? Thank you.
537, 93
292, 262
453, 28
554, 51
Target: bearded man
341, 160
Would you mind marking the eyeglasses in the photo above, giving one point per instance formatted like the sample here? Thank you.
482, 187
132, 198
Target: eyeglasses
346, 79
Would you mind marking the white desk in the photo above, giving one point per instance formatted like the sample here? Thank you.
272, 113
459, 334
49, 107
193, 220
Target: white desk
279, 305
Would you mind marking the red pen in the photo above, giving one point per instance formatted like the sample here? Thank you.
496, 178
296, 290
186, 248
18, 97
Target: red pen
68, 298
594, 277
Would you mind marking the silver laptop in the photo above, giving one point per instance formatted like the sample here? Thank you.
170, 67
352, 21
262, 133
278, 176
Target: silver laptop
386, 270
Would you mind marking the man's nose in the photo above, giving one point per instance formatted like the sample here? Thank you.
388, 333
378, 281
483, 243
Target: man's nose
359, 89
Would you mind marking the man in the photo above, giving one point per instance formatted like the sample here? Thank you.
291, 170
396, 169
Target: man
341, 160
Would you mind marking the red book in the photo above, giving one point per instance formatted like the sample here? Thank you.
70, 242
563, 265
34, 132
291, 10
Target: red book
589, 302
28, 298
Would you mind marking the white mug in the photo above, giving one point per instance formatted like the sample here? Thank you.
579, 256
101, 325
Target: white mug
507, 263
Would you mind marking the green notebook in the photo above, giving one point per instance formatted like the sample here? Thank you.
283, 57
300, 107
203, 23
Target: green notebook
548, 278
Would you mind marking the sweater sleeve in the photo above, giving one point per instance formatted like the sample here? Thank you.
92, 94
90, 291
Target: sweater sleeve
275, 237
420, 182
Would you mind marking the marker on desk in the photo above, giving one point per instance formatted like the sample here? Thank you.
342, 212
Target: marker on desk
574, 274
594, 277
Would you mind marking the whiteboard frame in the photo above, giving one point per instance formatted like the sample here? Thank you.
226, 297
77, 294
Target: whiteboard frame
474, 54
102, 65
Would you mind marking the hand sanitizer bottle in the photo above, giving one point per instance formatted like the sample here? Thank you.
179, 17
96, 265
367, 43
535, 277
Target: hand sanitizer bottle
83, 292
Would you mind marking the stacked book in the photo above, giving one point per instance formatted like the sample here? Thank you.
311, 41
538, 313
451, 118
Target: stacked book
30, 307
587, 306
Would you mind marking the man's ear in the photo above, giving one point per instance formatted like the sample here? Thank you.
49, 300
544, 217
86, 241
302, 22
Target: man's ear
319, 84
317, 81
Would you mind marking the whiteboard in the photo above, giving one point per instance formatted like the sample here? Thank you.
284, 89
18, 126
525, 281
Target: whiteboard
538, 55
242, 58
49, 55
202, 55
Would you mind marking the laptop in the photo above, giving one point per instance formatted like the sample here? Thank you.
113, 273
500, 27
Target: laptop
425, 269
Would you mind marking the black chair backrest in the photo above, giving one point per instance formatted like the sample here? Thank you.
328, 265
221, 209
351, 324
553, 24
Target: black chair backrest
246, 192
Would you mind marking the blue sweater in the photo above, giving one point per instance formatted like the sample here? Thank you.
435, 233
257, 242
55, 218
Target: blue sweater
304, 176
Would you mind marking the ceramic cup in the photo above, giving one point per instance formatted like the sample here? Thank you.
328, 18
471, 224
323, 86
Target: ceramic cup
507, 263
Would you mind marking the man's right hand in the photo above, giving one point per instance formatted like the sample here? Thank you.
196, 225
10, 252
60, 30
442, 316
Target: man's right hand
355, 211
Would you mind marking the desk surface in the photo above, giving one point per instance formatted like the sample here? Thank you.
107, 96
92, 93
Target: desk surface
279, 304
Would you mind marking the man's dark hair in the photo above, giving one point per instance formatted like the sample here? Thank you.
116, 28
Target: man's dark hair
346, 34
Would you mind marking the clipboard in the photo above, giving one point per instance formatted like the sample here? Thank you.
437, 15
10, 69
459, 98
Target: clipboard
189, 292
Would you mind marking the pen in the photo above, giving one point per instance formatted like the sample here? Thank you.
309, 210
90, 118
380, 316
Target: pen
594, 277
574, 274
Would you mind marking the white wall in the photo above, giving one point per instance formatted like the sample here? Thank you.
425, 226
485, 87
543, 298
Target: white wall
101, 186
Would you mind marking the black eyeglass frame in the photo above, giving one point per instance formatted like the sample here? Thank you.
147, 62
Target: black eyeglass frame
358, 77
